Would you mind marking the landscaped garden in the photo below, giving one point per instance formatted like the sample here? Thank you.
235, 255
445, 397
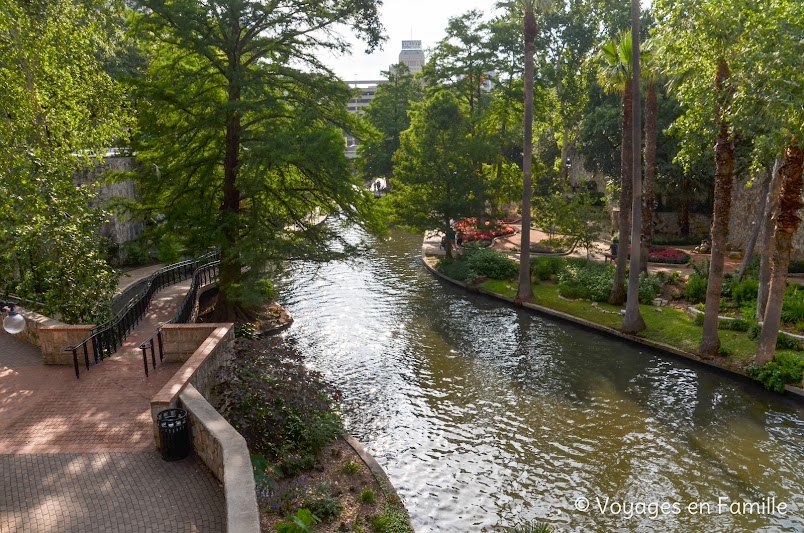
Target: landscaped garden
307, 474
581, 288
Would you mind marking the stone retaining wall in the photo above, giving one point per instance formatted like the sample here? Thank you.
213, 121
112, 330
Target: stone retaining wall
215, 441
52, 336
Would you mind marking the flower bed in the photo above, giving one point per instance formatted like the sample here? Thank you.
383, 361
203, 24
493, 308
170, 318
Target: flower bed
660, 254
471, 232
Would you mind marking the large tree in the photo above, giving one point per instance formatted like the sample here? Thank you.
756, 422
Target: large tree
699, 39
773, 93
59, 111
388, 115
615, 76
436, 183
244, 122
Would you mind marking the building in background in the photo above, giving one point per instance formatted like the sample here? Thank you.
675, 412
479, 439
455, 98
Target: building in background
412, 55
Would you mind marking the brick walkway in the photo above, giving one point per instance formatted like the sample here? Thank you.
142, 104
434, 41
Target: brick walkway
78, 454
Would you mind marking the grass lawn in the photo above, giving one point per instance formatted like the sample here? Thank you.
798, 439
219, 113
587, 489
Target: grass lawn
666, 325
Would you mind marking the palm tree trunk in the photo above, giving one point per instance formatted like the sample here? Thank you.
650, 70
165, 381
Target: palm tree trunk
651, 135
617, 296
724, 170
757, 226
766, 244
525, 290
633, 322
787, 223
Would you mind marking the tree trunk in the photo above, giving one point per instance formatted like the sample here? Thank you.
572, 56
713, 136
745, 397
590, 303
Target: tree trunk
231, 271
684, 214
651, 134
525, 290
617, 296
766, 244
786, 225
757, 225
633, 322
724, 170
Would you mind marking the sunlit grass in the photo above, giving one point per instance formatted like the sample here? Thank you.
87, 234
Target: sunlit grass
666, 325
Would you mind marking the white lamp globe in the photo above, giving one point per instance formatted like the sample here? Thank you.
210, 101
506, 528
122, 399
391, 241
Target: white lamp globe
14, 323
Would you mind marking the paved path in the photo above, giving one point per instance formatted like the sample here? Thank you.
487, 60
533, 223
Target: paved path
78, 455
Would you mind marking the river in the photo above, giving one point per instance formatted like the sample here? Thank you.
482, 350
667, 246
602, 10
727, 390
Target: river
484, 415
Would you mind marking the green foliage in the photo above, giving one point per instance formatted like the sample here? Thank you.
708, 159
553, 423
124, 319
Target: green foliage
695, 288
491, 264
300, 523
793, 305
323, 503
350, 468
743, 292
544, 268
796, 267
248, 143
392, 520
588, 280
367, 496
783, 342
531, 527
169, 250
435, 180
753, 331
282, 410
135, 253
733, 325
649, 288
388, 116
454, 268
785, 368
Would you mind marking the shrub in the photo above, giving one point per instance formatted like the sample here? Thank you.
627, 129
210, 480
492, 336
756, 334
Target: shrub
491, 264
367, 496
323, 503
283, 410
350, 468
695, 288
168, 249
545, 268
588, 280
783, 342
734, 325
795, 267
785, 368
300, 523
454, 268
649, 288
392, 520
745, 291
793, 305
668, 255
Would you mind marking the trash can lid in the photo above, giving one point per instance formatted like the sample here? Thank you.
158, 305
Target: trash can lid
171, 413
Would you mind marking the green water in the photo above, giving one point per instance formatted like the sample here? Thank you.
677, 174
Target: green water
484, 415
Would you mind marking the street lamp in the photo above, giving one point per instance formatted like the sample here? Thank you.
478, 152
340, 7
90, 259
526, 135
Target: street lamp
14, 322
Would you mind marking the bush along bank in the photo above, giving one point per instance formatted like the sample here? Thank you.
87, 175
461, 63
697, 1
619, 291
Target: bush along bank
580, 288
308, 475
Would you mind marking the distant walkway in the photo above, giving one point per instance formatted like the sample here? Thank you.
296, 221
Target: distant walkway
130, 277
78, 454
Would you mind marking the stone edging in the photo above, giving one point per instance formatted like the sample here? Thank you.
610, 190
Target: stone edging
214, 436
796, 392
377, 472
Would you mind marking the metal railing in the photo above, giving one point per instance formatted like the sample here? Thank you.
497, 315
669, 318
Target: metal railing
202, 276
106, 338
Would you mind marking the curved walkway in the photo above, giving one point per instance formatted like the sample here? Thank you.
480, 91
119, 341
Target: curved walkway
78, 455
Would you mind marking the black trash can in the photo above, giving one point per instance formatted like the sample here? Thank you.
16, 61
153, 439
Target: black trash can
174, 434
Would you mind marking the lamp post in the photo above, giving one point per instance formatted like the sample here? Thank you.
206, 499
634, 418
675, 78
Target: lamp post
14, 322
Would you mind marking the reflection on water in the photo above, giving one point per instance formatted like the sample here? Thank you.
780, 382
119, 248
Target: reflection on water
484, 415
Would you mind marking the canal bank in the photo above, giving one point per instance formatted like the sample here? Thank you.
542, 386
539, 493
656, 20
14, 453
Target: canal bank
430, 264
486, 415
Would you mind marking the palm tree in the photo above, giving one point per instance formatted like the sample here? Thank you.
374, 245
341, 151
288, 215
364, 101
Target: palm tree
614, 75
650, 75
787, 222
724, 176
530, 29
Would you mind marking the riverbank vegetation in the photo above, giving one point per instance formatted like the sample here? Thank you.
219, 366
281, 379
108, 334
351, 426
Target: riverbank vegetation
308, 477
580, 288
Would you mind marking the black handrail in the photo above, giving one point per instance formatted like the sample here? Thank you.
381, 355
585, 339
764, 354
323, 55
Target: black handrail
109, 336
202, 276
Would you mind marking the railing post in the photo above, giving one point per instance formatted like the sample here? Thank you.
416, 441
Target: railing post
153, 354
75, 362
159, 339
145, 358
86, 356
